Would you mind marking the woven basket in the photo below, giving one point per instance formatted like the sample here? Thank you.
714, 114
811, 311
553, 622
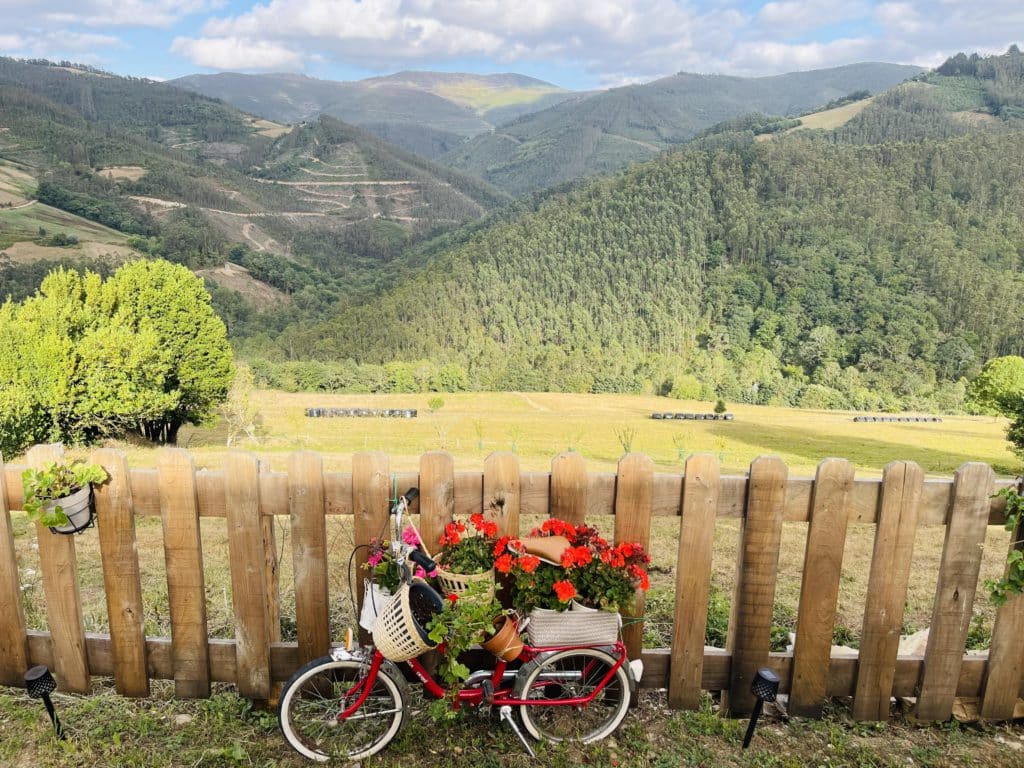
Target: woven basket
575, 627
396, 633
458, 583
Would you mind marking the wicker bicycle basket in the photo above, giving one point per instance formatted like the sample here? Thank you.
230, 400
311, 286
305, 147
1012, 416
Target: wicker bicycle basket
397, 633
458, 583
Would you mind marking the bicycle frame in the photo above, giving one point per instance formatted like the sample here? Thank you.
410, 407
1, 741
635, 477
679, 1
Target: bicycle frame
502, 695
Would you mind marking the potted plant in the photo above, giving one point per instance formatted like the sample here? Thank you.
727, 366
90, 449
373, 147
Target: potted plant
467, 620
60, 494
466, 557
384, 577
575, 598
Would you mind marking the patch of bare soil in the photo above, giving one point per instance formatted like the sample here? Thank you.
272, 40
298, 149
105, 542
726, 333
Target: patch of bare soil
123, 172
237, 278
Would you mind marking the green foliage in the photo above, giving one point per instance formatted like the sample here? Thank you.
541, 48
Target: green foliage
998, 387
466, 620
435, 404
720, 406
83, 358
1012, 582
56, 480
685, 387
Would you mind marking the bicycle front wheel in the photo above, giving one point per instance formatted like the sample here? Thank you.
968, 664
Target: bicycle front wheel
316, 695
573, 674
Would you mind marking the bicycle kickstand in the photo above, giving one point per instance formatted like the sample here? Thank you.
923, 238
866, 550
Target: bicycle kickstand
505, 713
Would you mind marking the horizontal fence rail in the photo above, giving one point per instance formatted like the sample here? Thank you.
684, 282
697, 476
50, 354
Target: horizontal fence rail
250, 498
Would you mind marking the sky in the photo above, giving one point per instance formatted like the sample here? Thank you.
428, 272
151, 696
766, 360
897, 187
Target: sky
576, 44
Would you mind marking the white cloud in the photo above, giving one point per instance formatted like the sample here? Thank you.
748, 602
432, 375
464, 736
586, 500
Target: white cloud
105, 13
236, 53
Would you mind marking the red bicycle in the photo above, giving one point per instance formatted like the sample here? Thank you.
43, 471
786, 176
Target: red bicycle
352, 703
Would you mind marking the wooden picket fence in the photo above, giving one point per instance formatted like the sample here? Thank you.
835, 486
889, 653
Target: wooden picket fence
897, 504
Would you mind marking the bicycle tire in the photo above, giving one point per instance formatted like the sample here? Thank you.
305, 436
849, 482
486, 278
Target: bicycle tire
571, 674
312, 699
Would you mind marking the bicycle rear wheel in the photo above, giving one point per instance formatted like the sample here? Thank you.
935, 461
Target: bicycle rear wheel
319, 692
574, 674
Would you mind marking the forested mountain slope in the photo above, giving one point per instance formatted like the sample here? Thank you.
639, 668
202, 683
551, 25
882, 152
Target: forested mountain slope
604, 132
324, 206
792, 271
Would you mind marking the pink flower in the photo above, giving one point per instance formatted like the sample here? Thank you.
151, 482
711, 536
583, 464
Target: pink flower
419, 573
375, 558
411, 537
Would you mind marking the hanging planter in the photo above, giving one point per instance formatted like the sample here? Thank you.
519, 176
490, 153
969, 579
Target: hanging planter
60, 497
505, 643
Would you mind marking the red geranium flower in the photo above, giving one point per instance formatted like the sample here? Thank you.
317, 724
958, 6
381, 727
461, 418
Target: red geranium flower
529, 563
504, 563
453, 598
564, 590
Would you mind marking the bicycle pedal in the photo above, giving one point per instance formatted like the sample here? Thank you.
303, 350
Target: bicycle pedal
506, 714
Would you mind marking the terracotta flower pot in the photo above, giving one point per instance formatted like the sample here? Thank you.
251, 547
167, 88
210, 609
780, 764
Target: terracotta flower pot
506, 643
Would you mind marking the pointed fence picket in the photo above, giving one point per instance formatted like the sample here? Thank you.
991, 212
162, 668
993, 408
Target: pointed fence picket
250, 498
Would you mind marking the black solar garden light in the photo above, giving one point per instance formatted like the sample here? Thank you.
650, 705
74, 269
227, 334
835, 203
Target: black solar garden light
765, 688
40, 685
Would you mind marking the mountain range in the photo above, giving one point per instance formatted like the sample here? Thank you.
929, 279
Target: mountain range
522, 135
850, 256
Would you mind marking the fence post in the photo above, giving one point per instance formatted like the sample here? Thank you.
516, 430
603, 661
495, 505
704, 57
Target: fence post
1005, 666
634, 491
437, 496
501, 492
183, 555
693, 580
823, 564
569, 486
59, 565
121, 580
13, 636
954, 596
898, 505
248, 578
371, 492
309, 553
756, 570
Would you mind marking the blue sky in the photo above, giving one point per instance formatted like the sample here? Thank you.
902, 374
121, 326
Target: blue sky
573, 43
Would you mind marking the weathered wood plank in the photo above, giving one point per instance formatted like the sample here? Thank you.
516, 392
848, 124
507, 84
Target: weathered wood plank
1004, 673
756, 571
246, 551
469, 493
693, 580
309, 553
371, 492
823, 563
121, 579
634, 490
437, 496
898, 506
501, 492
186, 590
59, 565
954, 596
13, 634
569, 487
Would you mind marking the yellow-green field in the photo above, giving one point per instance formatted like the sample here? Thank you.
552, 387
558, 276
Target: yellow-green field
537, 426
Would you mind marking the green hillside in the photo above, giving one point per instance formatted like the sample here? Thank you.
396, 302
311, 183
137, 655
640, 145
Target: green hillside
965, 94
792, 271
604, 132
194, 180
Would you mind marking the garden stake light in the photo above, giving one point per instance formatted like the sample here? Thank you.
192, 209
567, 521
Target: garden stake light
765, 688
40, 685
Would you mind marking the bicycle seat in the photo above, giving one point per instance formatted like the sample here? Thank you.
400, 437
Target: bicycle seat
547, 548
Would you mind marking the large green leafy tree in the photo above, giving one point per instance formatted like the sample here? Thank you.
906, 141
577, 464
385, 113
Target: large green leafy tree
999, 386
83, 358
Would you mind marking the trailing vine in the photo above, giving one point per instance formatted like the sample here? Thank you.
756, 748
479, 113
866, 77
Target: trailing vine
1012, 582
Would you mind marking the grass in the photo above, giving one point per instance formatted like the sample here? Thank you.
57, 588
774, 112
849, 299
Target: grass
830, 119
225, 731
